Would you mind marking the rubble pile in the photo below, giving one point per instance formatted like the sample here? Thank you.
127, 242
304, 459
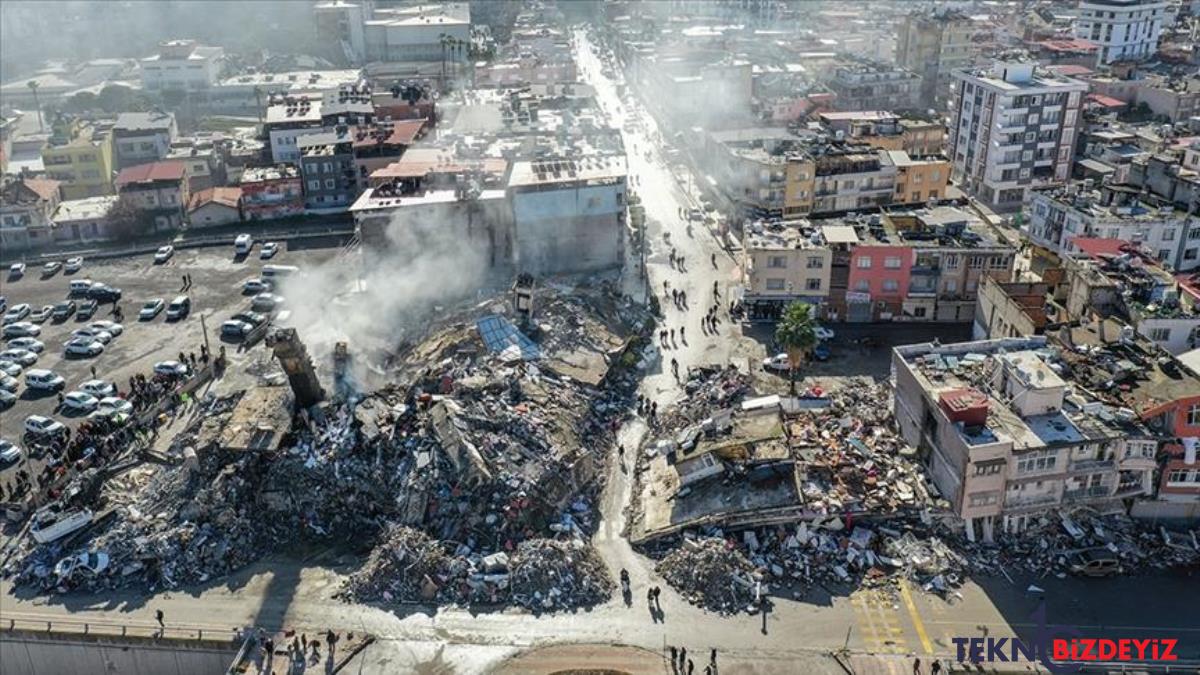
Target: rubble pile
711, 573
555, 574
709, 389
406, 565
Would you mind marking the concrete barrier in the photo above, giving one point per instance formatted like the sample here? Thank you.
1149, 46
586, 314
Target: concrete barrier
99, 649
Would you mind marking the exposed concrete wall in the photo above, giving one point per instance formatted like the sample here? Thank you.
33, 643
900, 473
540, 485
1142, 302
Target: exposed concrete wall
35, 653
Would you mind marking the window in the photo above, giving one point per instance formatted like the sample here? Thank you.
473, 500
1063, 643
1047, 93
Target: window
1168, 234
890, 285
975, 262
892, 262
314, 184
951, 261
775, 284
862, 286
1043, 460
983, 500
812, 284
864, 262
330, 184
1190, 254
1183, 476
987, 469
1160, 334
1193, 415
815, 263
777, 261
951, 286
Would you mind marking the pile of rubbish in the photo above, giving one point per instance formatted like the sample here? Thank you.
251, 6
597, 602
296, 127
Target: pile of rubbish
558, 574
712, 573
709, 389
405, 566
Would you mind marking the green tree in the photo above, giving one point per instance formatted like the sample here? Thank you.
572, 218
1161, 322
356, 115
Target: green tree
127, 222
797, 333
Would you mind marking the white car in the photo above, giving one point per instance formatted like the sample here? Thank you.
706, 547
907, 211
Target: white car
82, 346
16, 313
9, 451
98, 388
151, 309
9, 382
823, 333
37, 425
777, 363
73, 265
172, 368
266, 302
51, 268
7, 398
93, 334
163, 254
257, 286
16, 270
22, 329
111, 327
10, 369
268, 250
42, 314
40, 378
31, 344
22, 356
112, 405
81, 563
78, 400
235, 329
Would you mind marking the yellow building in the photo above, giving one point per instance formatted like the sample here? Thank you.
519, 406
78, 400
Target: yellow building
80, 156
919, 180
798, 189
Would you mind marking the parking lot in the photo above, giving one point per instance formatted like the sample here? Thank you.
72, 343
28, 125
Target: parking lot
215, 294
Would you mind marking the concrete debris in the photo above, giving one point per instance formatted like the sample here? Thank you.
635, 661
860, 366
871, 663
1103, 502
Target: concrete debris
712, 573
552, 574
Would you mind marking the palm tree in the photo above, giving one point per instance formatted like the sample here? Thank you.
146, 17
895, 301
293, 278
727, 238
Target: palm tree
33, 87
797, 333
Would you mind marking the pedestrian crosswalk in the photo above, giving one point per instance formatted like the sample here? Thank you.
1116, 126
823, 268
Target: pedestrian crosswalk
878, 618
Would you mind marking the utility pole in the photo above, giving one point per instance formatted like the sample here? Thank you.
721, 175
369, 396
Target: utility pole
204, 327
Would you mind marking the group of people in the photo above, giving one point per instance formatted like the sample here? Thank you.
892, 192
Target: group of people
681, 664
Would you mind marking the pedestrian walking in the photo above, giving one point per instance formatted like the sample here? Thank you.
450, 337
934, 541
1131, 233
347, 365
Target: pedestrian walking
936, 668
93, 372
674, 654
716, 291
712, 658
650, 596
681, 336
682, 656
158, 616
691, 667
917, 667
674, 370
714, 263
672, 333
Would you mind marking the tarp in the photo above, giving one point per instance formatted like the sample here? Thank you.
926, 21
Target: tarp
500, 336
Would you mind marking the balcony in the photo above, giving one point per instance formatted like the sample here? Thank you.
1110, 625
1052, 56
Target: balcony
1032, 500
1129, 490
1093, 464
1086, 494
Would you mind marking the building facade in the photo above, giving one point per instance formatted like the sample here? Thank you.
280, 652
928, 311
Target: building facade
272, 192
80, 156
1125, 30
159, 189
934, 44
27, 207
141, 138
875, 87
182, 65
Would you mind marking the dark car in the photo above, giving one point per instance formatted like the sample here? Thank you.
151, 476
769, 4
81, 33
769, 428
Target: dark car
87, 309
63, 310
104, 293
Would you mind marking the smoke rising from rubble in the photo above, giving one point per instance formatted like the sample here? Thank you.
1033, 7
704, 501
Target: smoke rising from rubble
373, 302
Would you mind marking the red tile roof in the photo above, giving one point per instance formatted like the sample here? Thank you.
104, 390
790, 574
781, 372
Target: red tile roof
226, 196
46, 188
145, 173
1106, 101
404, 132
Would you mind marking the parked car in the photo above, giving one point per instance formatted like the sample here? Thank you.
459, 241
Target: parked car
10, 369
40, 315
81, 401
268, 250
104, 293
38, 425
253, 318
1096, 562
9, 451
99, 388
89, 333
777, 363
163, 254
266, 302
51, 268
111, 327
110, 405
7, 398
22, 356
16, 313
34, 345
172, 368
22, 329
64, 310
243, 244
256, 286
73, 265
79, 286
87, 309
16, 270
3, 303
82, 346
179, 308
8, 382
151, 309
235, 329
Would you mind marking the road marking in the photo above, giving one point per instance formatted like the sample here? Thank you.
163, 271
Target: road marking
916, 617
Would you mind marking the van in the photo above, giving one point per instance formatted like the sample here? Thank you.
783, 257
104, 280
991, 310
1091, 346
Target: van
44, 379
243, 244
179, 308
1096, 562
278, 271
80, 286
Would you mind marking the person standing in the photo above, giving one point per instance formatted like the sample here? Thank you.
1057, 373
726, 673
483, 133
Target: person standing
158, 616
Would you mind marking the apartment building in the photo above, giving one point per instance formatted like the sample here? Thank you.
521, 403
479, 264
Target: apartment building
873, 86
1057, 215
27, 208
287, 119
1013, 127
143, 137
1006, 438
79, 155
182, 65
784, 263
271, 192
327, 167
887, 131
932, 45
1125, 30
159, 189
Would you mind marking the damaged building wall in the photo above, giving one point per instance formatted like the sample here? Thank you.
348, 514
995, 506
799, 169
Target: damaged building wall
570, 227
481, 226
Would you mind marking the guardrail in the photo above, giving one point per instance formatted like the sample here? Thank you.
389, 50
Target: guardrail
104, 628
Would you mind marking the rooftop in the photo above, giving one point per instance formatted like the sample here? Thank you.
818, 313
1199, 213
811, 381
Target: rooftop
170, 170
587, 169
144, 121
89, 208
258, 174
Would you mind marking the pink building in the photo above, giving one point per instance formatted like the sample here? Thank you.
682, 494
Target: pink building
879, 276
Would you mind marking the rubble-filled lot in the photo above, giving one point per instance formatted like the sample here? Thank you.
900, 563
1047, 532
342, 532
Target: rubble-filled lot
474, 482
741, 495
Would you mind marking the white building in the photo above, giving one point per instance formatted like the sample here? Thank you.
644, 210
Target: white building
288, 119
1125, 30
182, 65
1013, 128
416, 33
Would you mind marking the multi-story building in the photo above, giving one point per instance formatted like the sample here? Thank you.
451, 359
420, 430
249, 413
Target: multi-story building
871, 86
783, 263
887, 131
1057, 215
1177, 99
1012, 128
1126, 30
27, 208
932, 45
1007, 439
1174, 178
270, 192
143, 137
159, 189
418, 33
84, 220
80, 156
287, 119
327, 167
182, 65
